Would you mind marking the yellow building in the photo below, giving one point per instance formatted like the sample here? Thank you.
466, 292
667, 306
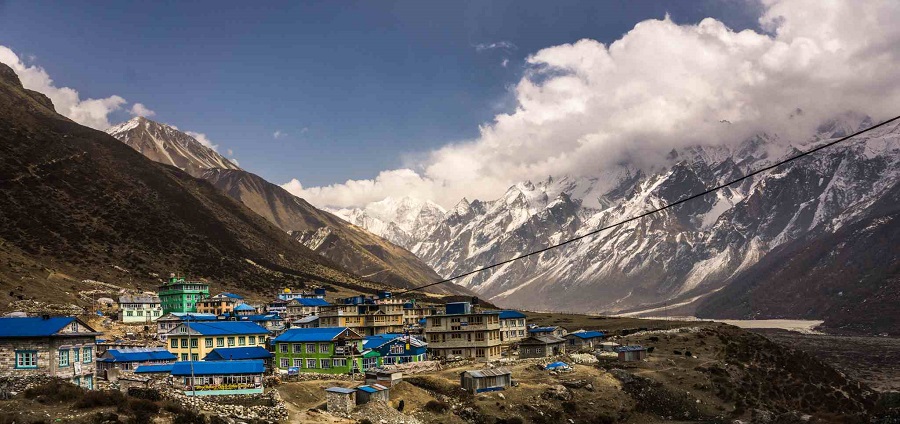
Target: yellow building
368, 319
216, 305
192, 341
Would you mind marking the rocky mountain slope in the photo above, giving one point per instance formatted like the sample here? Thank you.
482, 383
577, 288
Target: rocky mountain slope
350, 247
681, 255
79, 205
166, 144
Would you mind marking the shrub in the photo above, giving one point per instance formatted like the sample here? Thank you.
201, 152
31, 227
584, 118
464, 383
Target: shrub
142, 410
100, 398
189, 417
436, 406
365, 421
55, 392
144, 393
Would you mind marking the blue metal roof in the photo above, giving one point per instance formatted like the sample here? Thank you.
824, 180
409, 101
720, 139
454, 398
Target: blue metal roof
541, 329
151, 369
183, 368
587, 334
263, 317
185, 316
510, 314
32, 326
139, 355
556, 365
314, 301
629, 348
238, 353
320, 334
340, 390
373, 342
244, 307
225, 328
231, 295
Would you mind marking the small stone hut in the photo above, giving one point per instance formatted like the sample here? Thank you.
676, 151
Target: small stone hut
487, 380
340, 400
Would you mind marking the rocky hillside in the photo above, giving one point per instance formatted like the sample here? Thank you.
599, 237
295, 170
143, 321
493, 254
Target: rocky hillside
681, 255
352, 248
78, 204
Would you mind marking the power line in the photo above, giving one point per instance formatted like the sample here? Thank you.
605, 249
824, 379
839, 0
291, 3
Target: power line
673, 204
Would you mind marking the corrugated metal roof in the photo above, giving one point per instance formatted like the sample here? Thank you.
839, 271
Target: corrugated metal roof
372, 388
510, 314
237, 353
542, 329
342, 390
307, 319
138, 299
630, 348
314, 301
231, 295
139, 354
150, 369
374, 342
544, 339
262, 317
183, 368
224, 328
490, 372
320, 334
33, 326
244, 307
587, 334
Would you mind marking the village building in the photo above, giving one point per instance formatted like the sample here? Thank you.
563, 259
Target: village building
288, 294
168, 322
340, 400
414, 313
584, 340
60, 347
216, 305
241, 354
631, 353
372, 393
553, 330
512, 327
277, 306
244, 309
204, 378
396, 348
609, 346
238, 299
366, 315
325, 350
487, 380
311, 321
541, 346
180, 295
142, 308
128, 359
383, 377
302, 307
160, 369
191, 341
464, 333
274, 323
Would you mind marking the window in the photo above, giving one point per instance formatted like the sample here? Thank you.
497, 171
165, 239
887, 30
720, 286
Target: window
77, 353
323, 348
325, 363
193, 342
208, 342
64, 357
310, 348
129, 313
310, 363
298, 348
88, 355
436, 322
340, 363
242, 341
184, 356
26, 359
231, 341
253, 340
397, 349
184, 343
283, 347
479, 352
298, 363
284, 362
220, 341
89, 382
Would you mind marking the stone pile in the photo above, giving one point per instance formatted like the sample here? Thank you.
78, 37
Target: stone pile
274, 413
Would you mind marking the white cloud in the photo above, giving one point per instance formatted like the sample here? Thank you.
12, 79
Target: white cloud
278, 134
504, 45
203, 139
585, 106
91, 112
138, 109
235, 161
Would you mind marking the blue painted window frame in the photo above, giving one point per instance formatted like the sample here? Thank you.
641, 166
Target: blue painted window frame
87, 355
26, 367
59, 358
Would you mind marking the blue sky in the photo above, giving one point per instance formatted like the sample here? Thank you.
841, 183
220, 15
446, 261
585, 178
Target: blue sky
356, 87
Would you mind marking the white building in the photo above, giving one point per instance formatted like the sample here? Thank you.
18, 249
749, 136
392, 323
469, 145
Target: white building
142, 308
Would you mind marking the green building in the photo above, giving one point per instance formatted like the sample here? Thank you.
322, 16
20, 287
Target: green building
179, 295
324, 350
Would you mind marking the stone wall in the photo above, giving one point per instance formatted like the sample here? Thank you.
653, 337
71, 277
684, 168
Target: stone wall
274, 412
340, 404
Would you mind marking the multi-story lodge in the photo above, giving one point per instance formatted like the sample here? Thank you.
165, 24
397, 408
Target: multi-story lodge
303, 307
413, 313
191, 341
141, 308
180, 295
366, 315
319, 350
463, 332
168, 322
128, 359
216, 305
288, 294
396, 348
513, 327
56, 346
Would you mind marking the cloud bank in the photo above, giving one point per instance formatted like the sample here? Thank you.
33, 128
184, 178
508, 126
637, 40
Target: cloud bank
138, 109
203, 139
90, 112
584, 106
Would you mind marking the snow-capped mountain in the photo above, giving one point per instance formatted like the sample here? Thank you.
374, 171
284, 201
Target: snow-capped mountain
681, 255
166, 144
402, 221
